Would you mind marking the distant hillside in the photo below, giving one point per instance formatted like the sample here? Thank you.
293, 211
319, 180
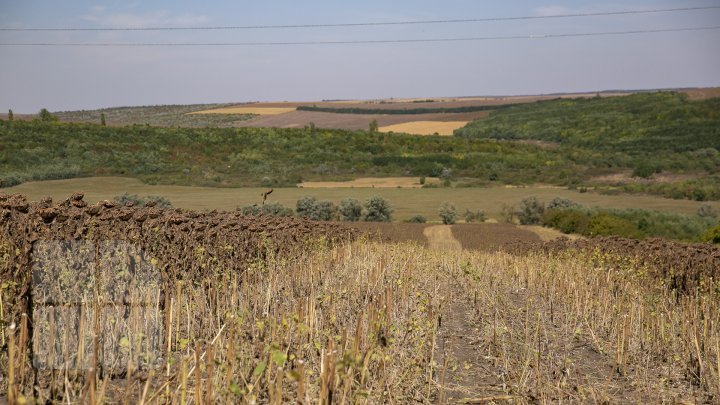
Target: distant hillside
160, 116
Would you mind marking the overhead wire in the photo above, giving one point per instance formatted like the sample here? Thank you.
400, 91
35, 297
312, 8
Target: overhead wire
344, 42
367, 24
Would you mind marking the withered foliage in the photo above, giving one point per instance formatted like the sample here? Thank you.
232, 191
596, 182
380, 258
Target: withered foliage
683, 267
184, 244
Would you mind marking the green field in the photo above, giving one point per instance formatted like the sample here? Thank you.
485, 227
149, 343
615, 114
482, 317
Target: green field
407, 202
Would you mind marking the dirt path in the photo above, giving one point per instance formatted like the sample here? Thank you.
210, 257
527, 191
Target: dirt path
440, 237
485, 348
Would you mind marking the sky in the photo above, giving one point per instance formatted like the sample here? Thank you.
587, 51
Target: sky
71, 78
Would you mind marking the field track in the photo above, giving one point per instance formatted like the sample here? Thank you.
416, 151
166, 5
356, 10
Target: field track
440, 237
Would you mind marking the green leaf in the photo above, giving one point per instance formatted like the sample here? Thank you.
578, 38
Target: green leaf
279, 357
259, 369
235, 389
124, 342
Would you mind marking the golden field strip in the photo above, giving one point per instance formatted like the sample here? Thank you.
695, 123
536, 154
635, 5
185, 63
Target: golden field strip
425, 127
372, 182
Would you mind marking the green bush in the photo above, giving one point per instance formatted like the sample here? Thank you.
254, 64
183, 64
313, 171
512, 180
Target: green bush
137, 201
712, 235
377, 209
530, 211
350, 210
561, 203
45, 116
275, 209
707, 211
609, 225
644, 170
448, 213
312, 208
474, 216
567, 220
417, 219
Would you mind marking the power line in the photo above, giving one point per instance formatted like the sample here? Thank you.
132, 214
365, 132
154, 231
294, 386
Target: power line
373, 24
378, 41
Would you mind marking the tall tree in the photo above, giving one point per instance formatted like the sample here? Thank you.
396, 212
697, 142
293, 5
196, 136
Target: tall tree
46, 116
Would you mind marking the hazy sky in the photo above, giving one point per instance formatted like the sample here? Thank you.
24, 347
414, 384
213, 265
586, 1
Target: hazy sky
64, 78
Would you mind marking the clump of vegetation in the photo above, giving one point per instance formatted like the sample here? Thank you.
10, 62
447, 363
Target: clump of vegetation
275, 209
712, 235
474, 216
416, 219
147, 201
707, 211
377, 209
629, 223
316, 210
373, 126
448, 213
530, 211
508, 213
350, 210
45, 116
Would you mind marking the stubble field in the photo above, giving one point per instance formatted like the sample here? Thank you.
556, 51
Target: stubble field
350, 321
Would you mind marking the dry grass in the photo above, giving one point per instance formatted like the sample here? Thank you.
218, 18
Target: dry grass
376, 323
247, 110
426, 127
440, 237
703, 93
372, 182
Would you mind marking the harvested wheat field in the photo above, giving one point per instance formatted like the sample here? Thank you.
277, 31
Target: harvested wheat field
352, 321
247, 110
372, 182
426, 127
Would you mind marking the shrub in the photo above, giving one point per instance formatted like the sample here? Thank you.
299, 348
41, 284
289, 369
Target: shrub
315, 210
507, 213
350, 210
561, 203
644, 170
712, 235
373, 126
474, 216
608, 225
45, 116
377, 209
567, 221
530, 211
275, 209
448, 213
135, 200
417, 219
707, 211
